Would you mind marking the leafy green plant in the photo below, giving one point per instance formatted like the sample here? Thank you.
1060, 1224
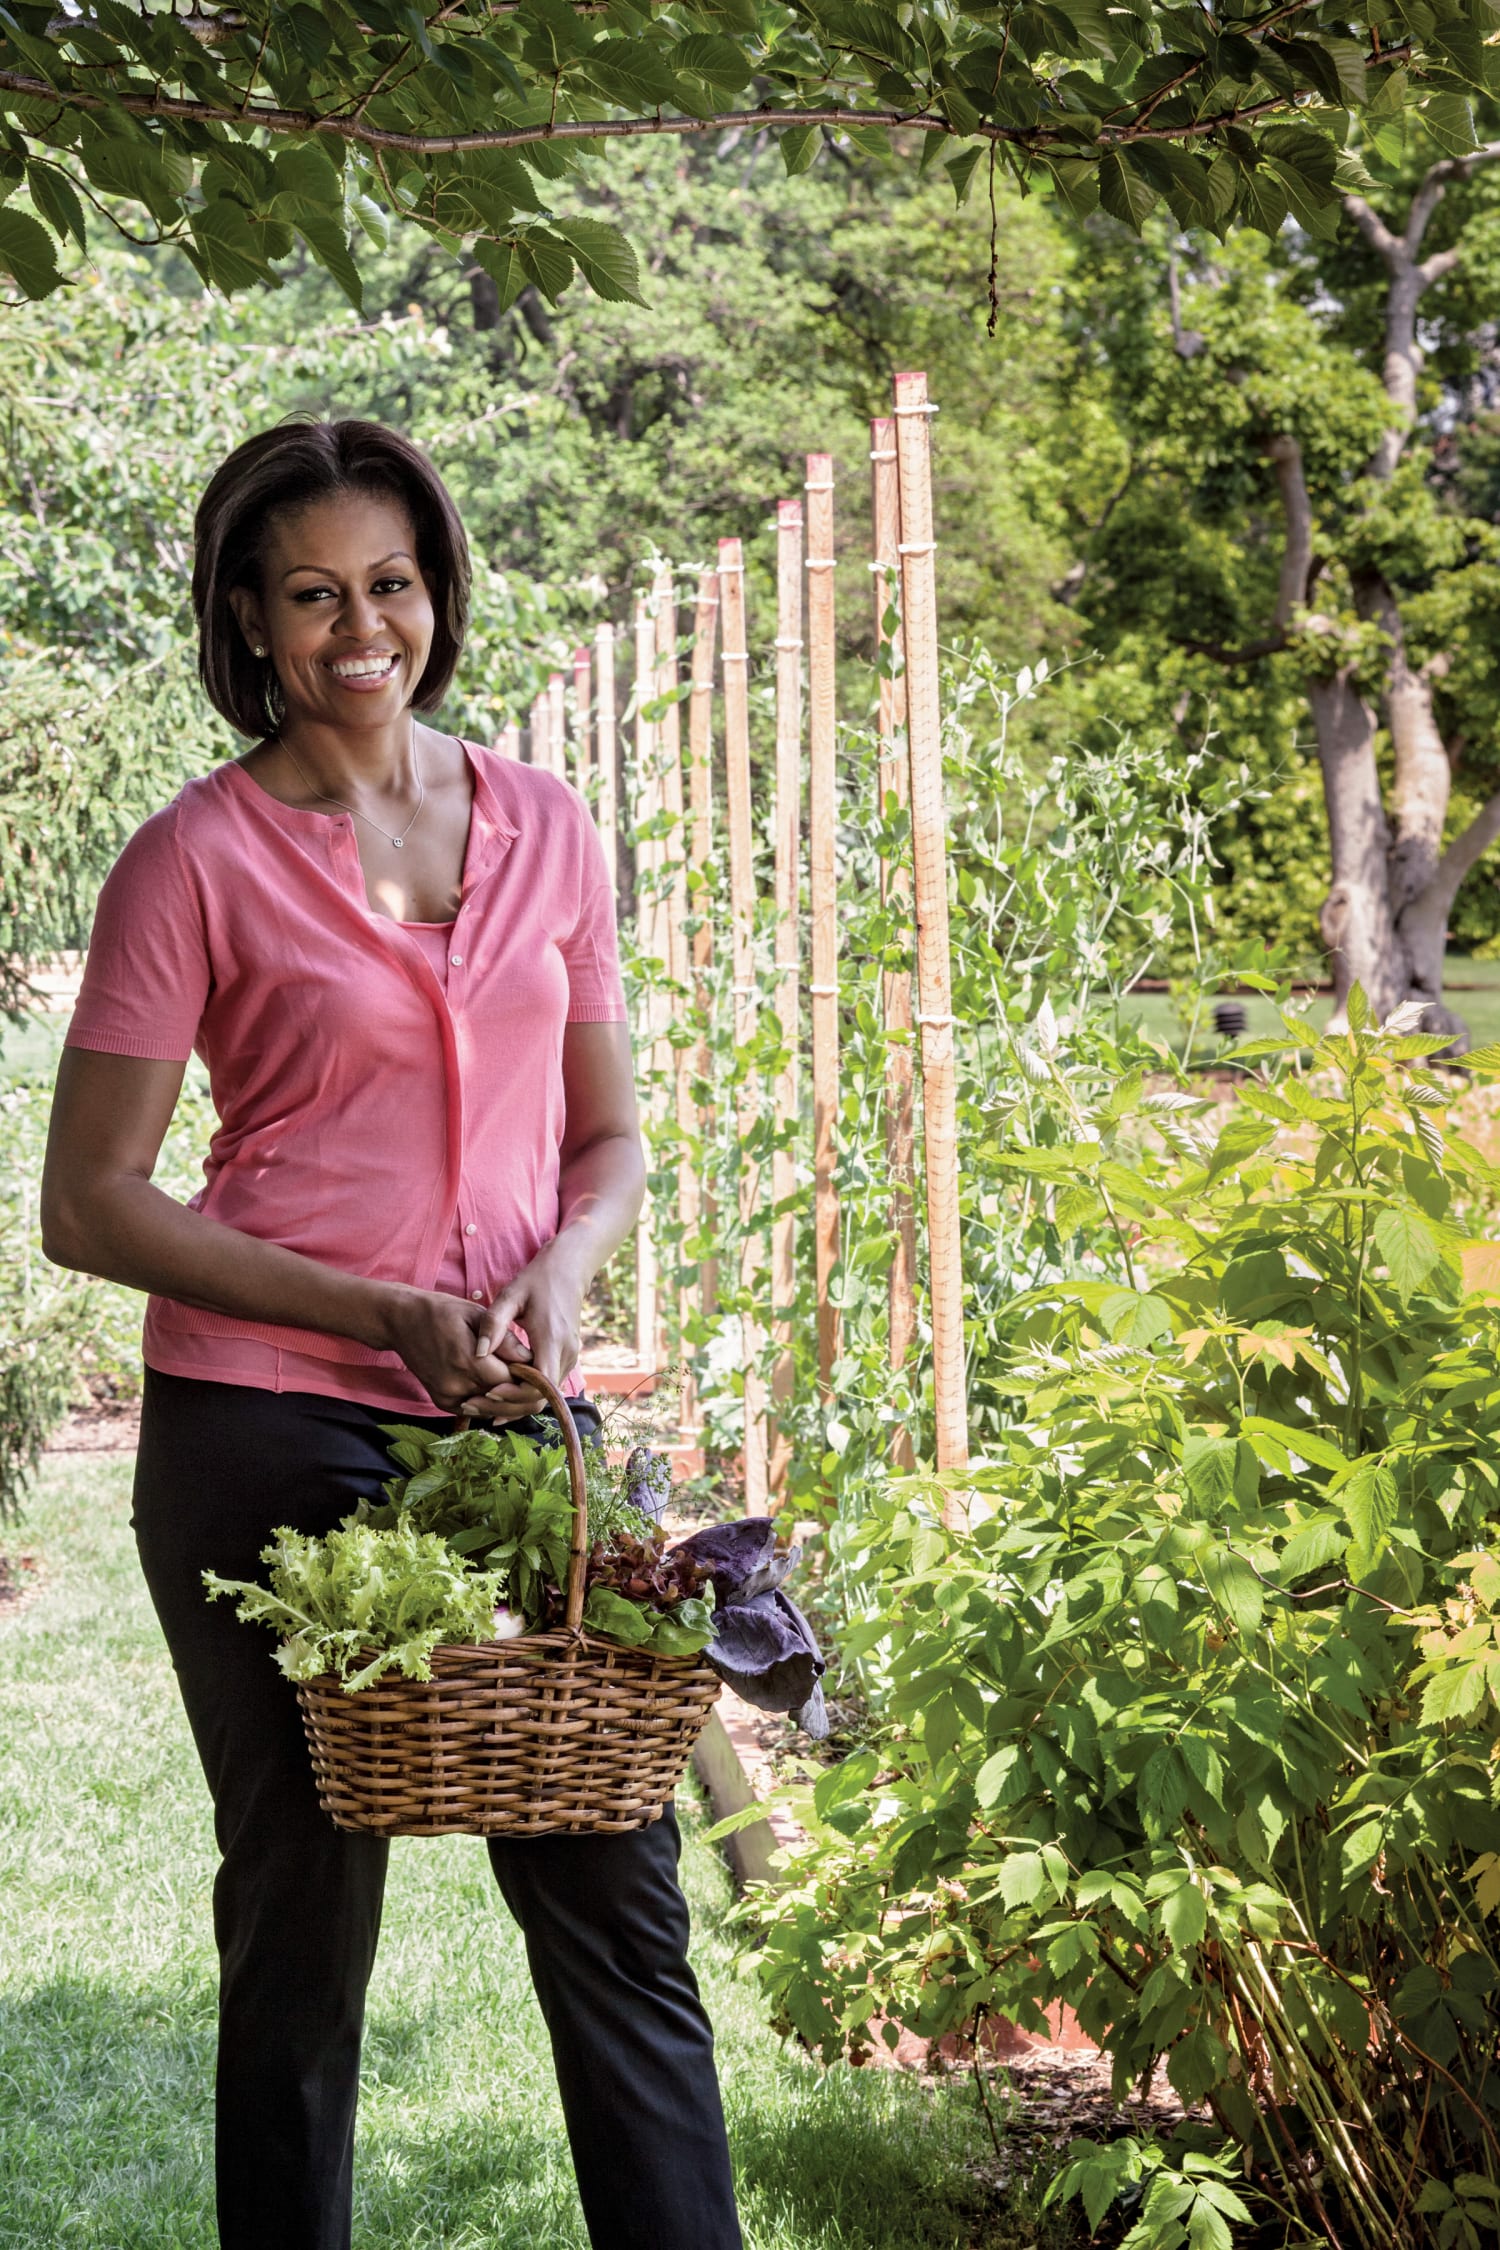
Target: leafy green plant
387, 1596
472, 1544
1194, 1727
502, 1503
1186, 2197
39, 1355
1074, 880
649, 1595
62, 1335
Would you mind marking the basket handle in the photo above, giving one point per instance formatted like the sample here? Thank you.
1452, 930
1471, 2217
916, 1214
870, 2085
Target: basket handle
577, 1477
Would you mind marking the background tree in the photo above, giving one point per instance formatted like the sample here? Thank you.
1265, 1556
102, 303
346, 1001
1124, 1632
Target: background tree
244, 128
1302, 531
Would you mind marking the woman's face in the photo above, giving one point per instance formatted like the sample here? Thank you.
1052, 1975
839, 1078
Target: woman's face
344, 609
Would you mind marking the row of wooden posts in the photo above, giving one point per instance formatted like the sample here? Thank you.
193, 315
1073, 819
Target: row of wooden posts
577, 736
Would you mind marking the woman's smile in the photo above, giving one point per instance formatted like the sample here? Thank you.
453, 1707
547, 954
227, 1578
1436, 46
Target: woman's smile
363, 673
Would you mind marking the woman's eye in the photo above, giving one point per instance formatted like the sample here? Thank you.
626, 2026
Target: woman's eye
381, 585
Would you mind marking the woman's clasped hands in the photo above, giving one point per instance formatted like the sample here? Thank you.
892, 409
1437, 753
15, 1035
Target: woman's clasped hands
462, 1353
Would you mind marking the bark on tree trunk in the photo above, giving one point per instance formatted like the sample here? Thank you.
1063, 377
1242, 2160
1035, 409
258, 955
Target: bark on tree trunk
1385, 919
1357, 924
1424, 781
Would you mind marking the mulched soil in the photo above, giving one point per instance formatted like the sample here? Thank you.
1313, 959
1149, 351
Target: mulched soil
1039, 2103
105, 1425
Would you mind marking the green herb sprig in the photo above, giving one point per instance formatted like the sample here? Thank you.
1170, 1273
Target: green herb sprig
501, 1501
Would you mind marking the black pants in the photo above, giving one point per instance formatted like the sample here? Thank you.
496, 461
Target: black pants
297, 1901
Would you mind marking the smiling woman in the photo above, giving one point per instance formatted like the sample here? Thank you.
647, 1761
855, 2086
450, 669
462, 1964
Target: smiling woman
271, 485
395, 953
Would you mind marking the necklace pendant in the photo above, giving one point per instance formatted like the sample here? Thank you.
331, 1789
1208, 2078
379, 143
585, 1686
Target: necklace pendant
398, 841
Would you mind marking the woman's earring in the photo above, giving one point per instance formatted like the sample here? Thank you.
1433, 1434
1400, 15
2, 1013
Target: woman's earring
259, 649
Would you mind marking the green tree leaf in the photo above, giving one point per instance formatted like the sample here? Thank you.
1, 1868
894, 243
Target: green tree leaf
1235, 1587
1369, 1500
1125, 191
56, 199
1408, 1246
1449, 118
28, 253
1208, 1466
715, 59
605, 258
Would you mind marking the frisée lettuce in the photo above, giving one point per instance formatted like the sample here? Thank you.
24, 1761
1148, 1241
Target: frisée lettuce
390, 1597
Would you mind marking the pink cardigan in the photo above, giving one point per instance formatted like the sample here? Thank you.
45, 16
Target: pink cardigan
367, 1117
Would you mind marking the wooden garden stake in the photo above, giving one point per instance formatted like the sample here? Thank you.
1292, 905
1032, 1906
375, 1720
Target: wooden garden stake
895, 892
700, 846
582, 697
539, 752
669, 765
508, 741
823, 897
929, 863
557, 725
608, 756
648, 908
788, 967
673, 1061
736, 660
646, 795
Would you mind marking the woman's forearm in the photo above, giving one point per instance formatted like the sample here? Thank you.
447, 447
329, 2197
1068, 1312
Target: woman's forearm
600, 1192
129, 1231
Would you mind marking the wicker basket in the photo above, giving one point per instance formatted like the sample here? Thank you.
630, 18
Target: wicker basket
554, 1733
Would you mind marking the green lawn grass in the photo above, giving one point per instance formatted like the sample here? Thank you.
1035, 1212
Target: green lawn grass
107, 1993
1472, 990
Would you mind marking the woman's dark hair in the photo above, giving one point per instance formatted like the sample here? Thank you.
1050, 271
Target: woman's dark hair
301, 461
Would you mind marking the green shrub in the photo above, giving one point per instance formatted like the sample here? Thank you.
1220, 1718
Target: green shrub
60, 1333
1195, 1727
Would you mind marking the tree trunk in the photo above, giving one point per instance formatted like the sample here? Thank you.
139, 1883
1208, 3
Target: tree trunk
1423, 932
1358, 926
1424, 781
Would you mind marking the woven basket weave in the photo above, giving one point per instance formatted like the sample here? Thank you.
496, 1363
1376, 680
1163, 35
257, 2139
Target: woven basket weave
554, 1733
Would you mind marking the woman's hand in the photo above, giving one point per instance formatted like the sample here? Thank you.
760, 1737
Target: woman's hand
545, 1301
445, 1342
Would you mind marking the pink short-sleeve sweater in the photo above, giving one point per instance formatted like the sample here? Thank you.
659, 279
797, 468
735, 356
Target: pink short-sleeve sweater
371, 1114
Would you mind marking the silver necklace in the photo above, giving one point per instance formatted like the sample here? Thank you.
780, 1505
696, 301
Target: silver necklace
324, 798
